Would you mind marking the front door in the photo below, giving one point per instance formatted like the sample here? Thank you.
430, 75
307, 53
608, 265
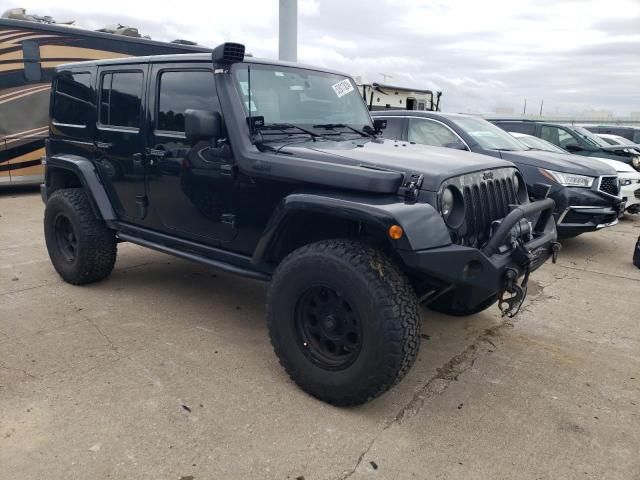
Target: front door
190, 183
120, 139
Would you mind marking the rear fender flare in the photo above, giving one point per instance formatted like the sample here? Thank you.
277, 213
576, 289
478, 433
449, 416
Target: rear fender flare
88, 176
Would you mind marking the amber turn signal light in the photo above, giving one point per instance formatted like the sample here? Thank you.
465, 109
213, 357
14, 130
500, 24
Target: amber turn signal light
395, 232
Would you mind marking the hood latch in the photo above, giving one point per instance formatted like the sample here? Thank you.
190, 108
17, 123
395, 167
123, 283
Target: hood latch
411, 186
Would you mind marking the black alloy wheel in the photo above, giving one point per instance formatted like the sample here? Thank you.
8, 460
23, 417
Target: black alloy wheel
65, 237
329, 330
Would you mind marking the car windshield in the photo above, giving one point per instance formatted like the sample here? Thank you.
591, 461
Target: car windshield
618, 140
488, 135
539, 144
590, 137
300, 97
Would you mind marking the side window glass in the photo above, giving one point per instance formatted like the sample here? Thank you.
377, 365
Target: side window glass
566, 138
72, 100
394, 128
180, 91
550, 134
430, 133
121, 99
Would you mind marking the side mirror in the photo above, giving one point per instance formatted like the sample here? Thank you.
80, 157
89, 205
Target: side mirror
202, 125
379, 124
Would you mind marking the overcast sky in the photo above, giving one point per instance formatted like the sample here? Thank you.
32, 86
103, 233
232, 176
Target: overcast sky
576, 54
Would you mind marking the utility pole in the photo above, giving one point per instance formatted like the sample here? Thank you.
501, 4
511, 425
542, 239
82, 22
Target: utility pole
288, 31
524, 109
541, 103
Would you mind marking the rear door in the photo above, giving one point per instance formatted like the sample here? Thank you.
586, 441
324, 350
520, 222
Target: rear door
120, 137
191, 185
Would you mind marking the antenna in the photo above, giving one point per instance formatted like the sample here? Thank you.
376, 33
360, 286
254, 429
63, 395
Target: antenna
249, 103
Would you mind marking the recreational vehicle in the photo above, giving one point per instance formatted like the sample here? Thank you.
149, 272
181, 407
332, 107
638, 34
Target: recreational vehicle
30, 48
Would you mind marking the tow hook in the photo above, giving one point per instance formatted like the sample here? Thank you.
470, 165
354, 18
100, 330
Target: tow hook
555, 250
510, 306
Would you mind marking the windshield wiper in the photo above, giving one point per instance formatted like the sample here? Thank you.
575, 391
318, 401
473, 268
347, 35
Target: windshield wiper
331, 126
287, 126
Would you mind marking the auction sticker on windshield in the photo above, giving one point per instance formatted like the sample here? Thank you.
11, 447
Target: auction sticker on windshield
342, 87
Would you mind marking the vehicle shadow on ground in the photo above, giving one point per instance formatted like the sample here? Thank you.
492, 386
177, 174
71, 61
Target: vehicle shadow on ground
13, 191
214, 290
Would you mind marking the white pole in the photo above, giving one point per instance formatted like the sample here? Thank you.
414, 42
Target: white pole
288, 30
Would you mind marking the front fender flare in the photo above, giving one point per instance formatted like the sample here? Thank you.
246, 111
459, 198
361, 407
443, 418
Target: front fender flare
423, 226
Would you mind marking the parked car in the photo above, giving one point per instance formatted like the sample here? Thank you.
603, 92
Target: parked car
629, 184
628, 176
628, 132
275, 171
618, 140
586, 191
577, 140
535, 143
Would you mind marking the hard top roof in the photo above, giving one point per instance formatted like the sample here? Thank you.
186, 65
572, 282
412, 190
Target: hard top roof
189, 57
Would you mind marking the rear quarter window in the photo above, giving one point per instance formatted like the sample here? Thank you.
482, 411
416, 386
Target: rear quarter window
72, 104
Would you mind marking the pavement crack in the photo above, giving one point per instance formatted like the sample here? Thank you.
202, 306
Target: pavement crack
24, 372
353, 470
102, 334
436, 385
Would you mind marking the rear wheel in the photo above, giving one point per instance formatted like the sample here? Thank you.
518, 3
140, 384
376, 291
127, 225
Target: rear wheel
343, 320
81, 247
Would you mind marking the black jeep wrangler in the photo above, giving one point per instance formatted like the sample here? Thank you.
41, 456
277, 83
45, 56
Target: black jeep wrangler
275, 171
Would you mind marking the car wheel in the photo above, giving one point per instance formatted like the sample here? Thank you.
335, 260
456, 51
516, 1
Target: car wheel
81, 247
343, 320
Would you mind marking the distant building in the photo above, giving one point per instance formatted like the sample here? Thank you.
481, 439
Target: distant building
504, 110
597, 113
380, 97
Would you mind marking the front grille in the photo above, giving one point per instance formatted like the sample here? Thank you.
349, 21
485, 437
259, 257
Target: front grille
637, 194
485, 201
610, 185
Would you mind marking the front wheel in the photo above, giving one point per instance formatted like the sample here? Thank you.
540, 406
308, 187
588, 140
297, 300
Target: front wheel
343, 320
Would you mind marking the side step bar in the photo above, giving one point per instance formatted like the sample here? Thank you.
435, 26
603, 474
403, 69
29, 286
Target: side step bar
196, 257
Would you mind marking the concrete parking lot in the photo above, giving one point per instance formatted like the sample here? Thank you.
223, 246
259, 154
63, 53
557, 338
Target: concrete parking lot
165, 371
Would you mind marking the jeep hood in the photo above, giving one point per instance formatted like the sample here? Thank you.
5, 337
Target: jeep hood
560, 162
436, 164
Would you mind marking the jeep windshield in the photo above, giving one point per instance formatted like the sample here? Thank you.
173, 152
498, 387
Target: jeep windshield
295, 101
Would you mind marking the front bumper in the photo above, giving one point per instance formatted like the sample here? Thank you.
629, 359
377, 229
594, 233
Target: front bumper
483, 273
581, 210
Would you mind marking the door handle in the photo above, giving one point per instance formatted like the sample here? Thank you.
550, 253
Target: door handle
104, 145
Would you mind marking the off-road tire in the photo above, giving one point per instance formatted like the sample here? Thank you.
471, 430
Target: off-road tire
446, 304
383, 301
96, 250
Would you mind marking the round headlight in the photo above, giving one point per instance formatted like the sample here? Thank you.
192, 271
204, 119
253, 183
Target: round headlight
447, 202
452, 206
635, 161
